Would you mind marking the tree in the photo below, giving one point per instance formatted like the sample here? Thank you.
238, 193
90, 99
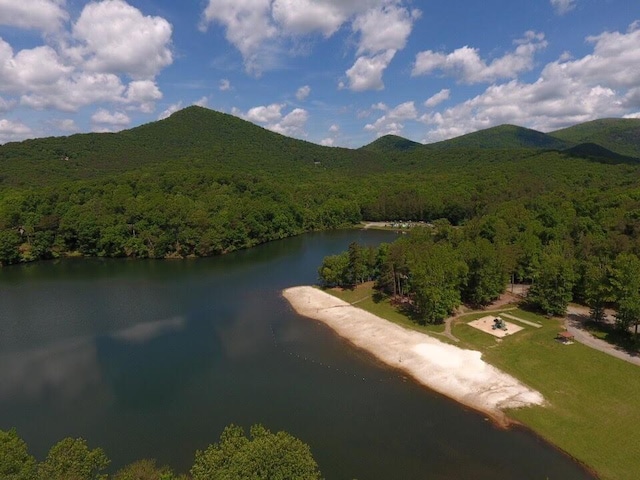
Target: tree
436, 277
554, 280
15, 461
145, 469
71, 459
598, 290
486, 278
263, 456
626, 284
333, 271
357, 266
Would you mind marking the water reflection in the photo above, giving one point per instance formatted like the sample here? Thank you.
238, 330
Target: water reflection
143, 332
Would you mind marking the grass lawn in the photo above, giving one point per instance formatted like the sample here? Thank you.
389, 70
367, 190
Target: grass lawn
593, 410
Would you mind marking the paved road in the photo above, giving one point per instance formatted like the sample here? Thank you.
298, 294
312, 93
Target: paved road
574, 324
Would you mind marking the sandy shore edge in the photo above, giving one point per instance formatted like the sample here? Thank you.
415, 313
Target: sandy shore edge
459, 374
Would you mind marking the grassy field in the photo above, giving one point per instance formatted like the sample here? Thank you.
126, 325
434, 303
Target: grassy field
593, 410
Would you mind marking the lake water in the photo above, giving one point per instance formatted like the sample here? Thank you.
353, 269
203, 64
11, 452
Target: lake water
154, 358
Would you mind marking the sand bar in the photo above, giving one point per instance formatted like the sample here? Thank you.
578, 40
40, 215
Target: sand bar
457, 373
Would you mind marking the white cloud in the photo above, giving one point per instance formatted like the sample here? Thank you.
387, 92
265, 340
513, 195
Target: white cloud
366, 73
391, 122
334, 128
202, 102
303, 92
466, 65
64, 124
224, 85
110, 39
6, 105
13, 131
563, 6
265, 114
118, 38
272, 117
248, 25
259, 29
173, 108
632, 115
103, 118
327, 142
143, 94
438, 98
45, 15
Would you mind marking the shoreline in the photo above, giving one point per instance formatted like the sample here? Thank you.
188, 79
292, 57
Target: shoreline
456, 373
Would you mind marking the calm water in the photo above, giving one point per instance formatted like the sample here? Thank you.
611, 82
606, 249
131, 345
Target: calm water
154, 358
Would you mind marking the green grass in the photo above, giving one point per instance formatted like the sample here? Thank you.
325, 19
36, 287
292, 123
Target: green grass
593, 410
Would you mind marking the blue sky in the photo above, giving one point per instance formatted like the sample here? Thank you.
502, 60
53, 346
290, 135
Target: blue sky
336, 72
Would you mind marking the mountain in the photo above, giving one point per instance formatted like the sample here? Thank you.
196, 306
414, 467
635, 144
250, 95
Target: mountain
391, 143
194, 134
595, 152
503, 137
620, 135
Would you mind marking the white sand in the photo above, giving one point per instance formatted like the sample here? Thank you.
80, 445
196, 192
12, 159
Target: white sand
457, 373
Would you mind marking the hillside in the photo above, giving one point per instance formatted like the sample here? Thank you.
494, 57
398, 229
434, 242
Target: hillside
503, 137
193, 134
620, 135
391, 143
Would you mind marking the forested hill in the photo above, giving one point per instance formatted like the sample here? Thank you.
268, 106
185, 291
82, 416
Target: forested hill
620, 135
203, 183
192, 134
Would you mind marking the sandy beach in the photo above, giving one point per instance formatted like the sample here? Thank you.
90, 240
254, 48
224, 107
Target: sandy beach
457, 373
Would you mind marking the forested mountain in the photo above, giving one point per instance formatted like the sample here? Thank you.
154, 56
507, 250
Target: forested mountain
620, 135
504, 136
204, 183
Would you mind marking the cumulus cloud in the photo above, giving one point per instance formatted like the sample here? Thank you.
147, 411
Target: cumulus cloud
366, 73
103, 118
327, 142
391, 122
563, 6
64, 124
109, 41
224, 85
170, 110
45, 15
466, 65
11, 131
438, 98
260, 28
202, 101
273, 118
303, 92
6, 105
334, 128
600, 84
118, 38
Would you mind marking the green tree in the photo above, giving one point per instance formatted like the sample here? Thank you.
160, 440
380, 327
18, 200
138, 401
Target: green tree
626, 284
553, 286
436, 277
598, 290
15, 461
263, 456
71, 459
487, 277
145, 469
334, 270
357, 266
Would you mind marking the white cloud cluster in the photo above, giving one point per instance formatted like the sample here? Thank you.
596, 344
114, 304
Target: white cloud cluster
110, 55
44, 15
391, 122
438, 98
257, 28
105, 121
466, 65
13, 131
303, 92
601, 84
271, 116
563, 6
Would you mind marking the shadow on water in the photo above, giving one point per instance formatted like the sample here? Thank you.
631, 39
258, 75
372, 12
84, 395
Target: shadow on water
153, 359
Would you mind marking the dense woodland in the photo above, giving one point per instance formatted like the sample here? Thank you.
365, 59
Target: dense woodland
261, 456
507, 202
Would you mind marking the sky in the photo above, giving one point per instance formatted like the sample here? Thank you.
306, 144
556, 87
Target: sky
332, 72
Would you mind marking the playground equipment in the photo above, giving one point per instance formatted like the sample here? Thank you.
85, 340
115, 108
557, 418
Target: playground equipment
498, 324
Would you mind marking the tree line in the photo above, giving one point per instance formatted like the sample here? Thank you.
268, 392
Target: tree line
262, 455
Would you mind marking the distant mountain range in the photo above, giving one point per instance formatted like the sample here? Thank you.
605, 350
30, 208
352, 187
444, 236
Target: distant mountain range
612, 140
198, 134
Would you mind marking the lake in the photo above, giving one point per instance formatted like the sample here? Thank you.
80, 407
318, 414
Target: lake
154, 358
